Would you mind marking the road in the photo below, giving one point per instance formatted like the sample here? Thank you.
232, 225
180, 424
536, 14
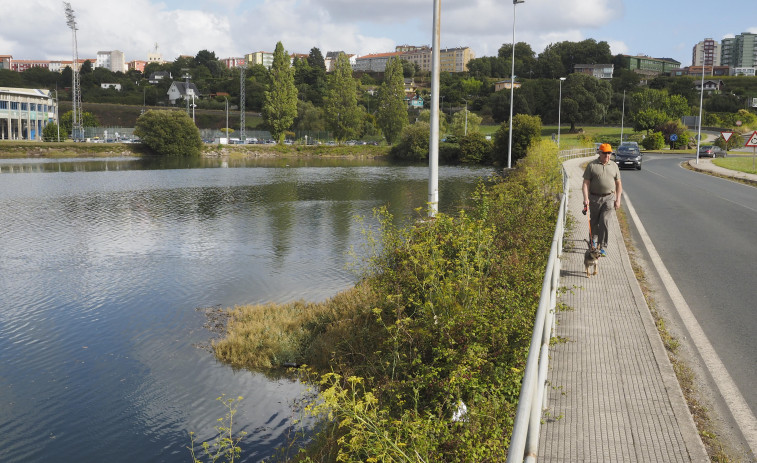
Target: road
705, 231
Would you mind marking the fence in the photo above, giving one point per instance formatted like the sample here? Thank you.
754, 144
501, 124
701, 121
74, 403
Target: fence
524, 442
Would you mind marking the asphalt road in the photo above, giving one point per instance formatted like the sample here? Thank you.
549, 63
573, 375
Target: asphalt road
705, 230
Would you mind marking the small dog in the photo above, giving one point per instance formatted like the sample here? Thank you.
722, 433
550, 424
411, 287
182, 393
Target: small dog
591, 259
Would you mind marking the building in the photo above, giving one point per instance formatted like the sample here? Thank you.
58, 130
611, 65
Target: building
24, 112
180, 90
136, 65
706, 53
233, 62
263, 58
739, 51
450, 59
600, 71
21, 65
505, 85
710, 85
649, 67
696, 71
6, 61
375, 62
330, 59
111, 60
115, 86
157, 76
744, 71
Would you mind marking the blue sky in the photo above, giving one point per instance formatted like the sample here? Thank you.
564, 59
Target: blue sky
658, 28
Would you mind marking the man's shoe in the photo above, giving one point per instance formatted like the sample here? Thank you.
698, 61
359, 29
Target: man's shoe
602, 252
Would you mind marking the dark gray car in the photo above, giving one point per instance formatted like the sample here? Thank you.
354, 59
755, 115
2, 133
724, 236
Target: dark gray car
628, 155
711, 151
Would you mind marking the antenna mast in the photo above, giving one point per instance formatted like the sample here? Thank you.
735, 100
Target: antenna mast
77, 130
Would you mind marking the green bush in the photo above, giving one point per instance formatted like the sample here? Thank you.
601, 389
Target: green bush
653, 141
413, 144
475, 148
169, 133
50, 133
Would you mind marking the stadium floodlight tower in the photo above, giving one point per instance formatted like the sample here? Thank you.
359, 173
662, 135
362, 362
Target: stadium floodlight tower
77, 130
242, 100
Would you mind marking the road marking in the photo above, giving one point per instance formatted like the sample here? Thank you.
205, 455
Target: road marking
738, 407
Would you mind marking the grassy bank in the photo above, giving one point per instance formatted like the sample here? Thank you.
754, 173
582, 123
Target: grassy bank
442, 314
739, 163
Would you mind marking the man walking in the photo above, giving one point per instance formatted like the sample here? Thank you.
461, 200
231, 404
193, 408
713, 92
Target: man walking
602, 191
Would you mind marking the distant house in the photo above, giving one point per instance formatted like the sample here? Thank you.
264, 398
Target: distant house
710, 85
115, 86
600, 71
414, 101
180, 90
156, 77
504, 84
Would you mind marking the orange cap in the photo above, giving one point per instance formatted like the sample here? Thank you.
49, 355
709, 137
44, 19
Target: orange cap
605, 148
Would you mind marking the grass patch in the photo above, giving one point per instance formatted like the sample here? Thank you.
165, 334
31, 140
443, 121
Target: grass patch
740, 163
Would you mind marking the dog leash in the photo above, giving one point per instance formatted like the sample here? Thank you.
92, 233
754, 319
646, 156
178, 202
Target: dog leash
591, 236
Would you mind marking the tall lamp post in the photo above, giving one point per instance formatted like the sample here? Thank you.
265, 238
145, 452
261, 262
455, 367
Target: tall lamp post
559, 113
622, 116
701, 98
512, 92
433, 149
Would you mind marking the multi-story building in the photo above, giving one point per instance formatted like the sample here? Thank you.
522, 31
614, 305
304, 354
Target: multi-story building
649, 67
706, 53
259, 57
375, 62
450, 59
739, 51
600, 71
6, 61
136, 65
24, 112
21, 65
111, 60
233, 62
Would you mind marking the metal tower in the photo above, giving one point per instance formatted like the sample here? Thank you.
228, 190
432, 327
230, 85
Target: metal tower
77, 130
242, 99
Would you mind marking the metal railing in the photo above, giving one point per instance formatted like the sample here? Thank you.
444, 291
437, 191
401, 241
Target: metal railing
524, 443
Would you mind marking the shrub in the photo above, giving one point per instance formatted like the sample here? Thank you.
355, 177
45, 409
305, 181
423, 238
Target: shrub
413, 144
475, 148
653, 141
50, 133
169, 133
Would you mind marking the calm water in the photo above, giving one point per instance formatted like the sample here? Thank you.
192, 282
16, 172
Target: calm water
103, 265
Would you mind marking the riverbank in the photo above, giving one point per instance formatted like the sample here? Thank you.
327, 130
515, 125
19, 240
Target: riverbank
26, 149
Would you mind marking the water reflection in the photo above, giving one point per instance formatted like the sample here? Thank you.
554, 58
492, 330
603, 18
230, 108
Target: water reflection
102, 267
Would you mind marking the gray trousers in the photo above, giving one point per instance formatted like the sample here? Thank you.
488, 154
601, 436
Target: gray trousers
600, 208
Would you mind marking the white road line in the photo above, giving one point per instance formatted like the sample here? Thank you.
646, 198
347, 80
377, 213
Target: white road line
739, 408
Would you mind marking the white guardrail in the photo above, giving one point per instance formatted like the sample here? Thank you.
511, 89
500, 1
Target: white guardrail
524, 443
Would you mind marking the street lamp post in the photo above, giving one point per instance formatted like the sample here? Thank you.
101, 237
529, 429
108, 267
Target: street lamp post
433, 149
227, 119
559, 113
466, 118
622, 116
701, 98
512, 92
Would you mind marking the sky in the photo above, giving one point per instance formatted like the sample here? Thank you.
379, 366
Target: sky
36, 29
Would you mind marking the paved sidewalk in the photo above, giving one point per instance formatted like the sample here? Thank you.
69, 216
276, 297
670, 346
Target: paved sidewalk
612, 393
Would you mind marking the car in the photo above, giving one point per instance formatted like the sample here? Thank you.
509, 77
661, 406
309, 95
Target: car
711, 151
628, 154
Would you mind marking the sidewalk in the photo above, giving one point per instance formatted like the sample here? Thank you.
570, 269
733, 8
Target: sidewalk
612, 393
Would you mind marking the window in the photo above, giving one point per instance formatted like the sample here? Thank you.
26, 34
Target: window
32, 106
24, 106
3, 105
14, 105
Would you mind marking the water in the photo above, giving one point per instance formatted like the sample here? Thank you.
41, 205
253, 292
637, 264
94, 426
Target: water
104, 263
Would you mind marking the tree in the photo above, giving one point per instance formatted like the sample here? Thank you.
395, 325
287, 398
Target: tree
392, 110
280, 106
169, 133
648, 119
340, 104
413, 144
50, 133
592, 97
526, 130
460, 121
474, 148
66, 122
